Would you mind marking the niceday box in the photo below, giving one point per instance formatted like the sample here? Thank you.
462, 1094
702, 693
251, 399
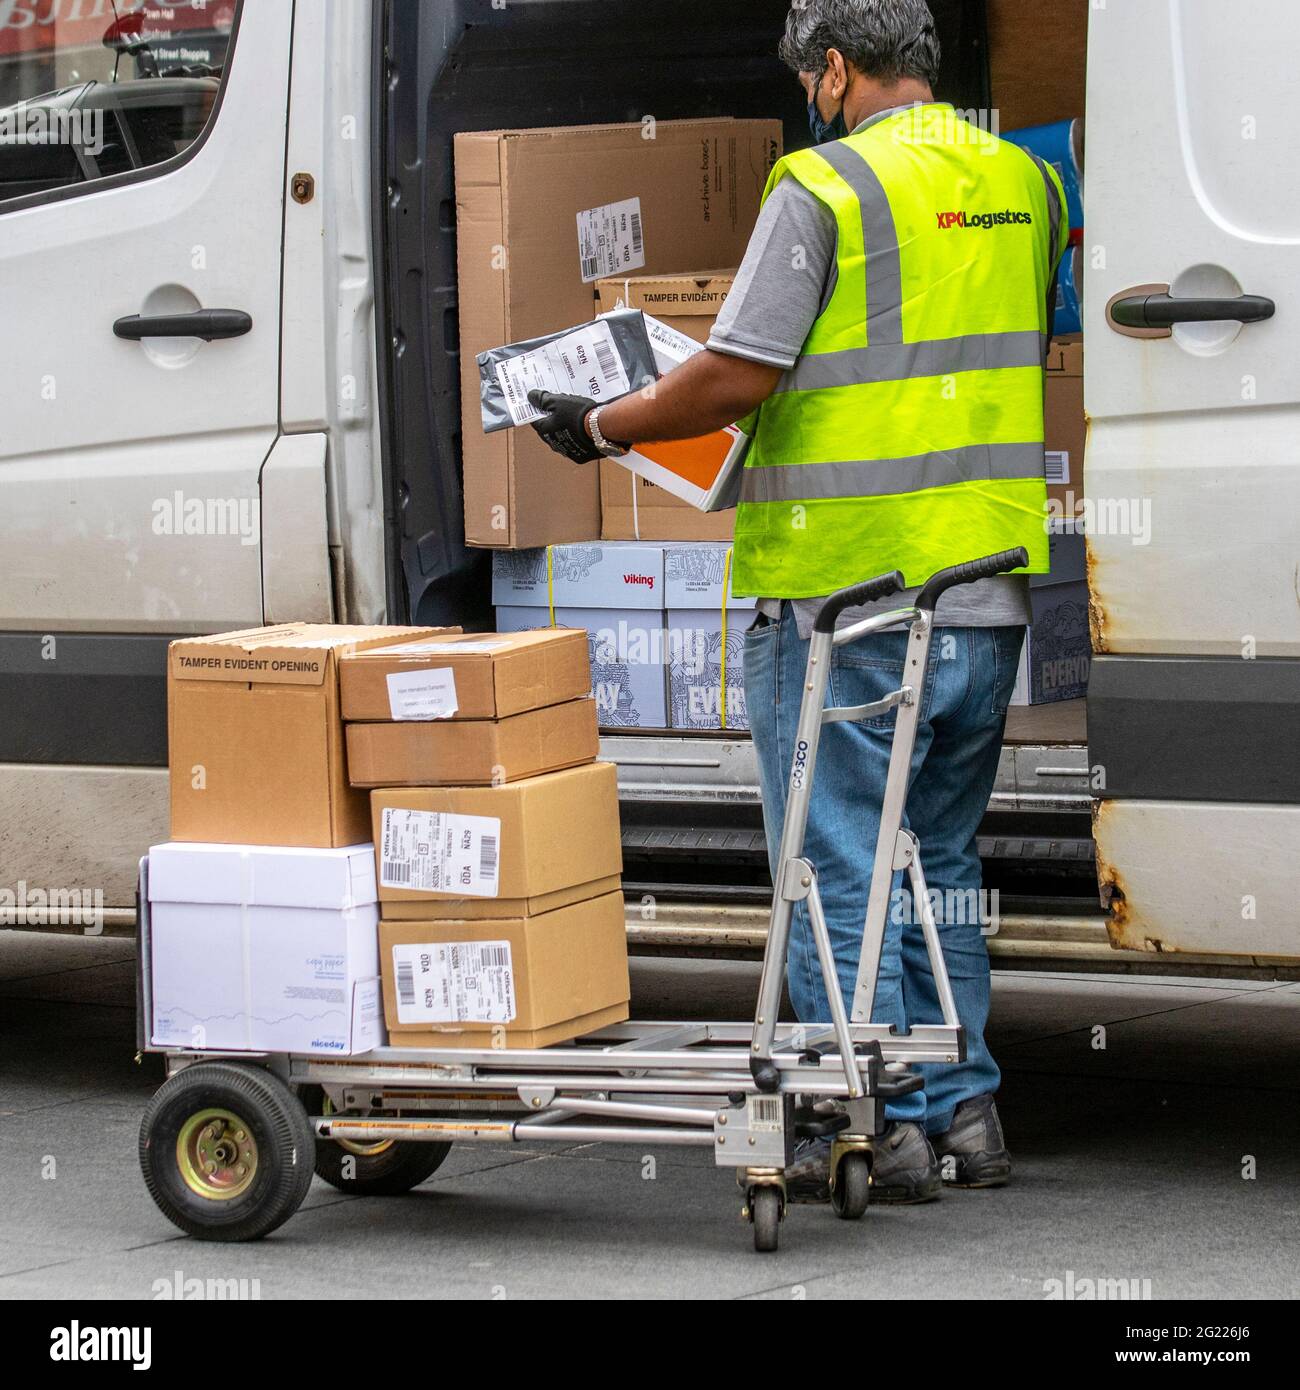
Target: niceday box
506, 982
255, 737
510, 851
541, 215
706, 639
615, 592
472, 676
264, 948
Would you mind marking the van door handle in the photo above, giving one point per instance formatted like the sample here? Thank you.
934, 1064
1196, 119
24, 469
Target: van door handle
1147, 311
202, 323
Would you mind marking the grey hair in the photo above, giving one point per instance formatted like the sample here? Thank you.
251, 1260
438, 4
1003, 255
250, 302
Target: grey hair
885, 39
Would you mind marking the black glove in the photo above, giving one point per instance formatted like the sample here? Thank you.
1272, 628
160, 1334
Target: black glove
562, 426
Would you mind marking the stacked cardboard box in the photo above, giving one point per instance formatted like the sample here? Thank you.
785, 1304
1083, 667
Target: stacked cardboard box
655, 618
497, 848
263, 926
541, 216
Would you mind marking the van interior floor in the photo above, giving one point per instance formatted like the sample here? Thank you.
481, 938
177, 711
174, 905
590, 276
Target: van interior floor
1065, 721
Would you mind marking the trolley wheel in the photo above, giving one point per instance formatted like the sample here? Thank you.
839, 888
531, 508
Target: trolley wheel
225, 1151
852, 1190
765, 1213
386, 1169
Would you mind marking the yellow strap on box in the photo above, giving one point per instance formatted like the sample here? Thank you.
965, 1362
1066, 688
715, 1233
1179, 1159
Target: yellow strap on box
726, 592
550, 582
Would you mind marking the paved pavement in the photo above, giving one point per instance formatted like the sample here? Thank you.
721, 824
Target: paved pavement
1129, 1165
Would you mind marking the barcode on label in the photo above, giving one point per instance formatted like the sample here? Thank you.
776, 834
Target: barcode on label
497, 957
606, 361
397, 872
765, 1113
1058, 466
590, 267
406, 982
636, 233
487, 857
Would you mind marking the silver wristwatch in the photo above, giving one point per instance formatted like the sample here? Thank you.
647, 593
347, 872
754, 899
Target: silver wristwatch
610, 451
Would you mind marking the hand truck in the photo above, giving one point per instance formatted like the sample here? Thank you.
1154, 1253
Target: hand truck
230, 1141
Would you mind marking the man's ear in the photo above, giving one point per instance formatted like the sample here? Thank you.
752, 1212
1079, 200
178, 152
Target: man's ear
840, 75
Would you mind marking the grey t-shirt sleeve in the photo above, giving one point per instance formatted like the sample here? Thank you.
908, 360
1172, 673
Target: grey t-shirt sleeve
784, 281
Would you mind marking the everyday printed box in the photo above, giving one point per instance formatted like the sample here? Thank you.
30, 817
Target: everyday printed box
615, 591
1057, 656
255, 735
680, 311
513, 982
264, 948
510, 851
473, 752
473, 676
541, 215
701, 661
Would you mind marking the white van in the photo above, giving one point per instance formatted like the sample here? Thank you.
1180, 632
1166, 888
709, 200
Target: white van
229, 396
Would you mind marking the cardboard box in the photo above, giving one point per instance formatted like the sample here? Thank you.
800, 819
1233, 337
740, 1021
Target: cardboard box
473, 752
706, 650
615, 592
680, 311
541, 215
512, 982
255, 737
1057, 655
510, 851
264, 948
473, 676
1066, 427
1037, 60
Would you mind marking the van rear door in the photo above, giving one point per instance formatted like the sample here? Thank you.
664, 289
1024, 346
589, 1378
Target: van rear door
1193, 477
140, 256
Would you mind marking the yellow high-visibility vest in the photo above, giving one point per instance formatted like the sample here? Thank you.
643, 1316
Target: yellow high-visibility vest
909, 434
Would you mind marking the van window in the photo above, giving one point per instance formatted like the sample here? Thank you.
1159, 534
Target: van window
93, 88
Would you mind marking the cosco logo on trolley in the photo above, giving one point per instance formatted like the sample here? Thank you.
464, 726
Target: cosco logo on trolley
800, 765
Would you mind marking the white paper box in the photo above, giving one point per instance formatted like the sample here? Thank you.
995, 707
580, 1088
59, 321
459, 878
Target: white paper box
264, 948
628, 659
595, 574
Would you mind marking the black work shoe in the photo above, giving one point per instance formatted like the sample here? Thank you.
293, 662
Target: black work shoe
808, 1178
973, 1153
904, 1168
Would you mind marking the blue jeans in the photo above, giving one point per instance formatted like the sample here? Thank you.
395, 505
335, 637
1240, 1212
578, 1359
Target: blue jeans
963, 710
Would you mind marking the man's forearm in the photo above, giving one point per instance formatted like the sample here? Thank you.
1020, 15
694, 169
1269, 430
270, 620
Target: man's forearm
703, 394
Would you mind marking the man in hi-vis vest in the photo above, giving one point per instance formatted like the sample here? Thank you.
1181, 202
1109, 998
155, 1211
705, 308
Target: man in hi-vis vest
887, 331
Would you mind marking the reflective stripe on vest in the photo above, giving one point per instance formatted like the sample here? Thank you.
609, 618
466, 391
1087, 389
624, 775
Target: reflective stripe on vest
909, 434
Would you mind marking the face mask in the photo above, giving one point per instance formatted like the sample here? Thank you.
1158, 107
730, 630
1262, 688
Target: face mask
822, 131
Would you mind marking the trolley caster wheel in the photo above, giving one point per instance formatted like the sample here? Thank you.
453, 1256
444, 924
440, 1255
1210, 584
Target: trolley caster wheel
765, 1211
225, 1151
386, 1169
851, 1191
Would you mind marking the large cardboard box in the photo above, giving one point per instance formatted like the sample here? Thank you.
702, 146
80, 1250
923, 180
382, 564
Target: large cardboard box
541, 215
615, 592
473, 676
506, 982
706, 639
473, 752
255, 737
1038, 59
264, 948
1066, 427
510, 851
685, 307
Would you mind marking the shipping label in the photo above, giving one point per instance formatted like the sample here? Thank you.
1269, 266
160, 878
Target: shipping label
436, 852
610, 240
454, 982
428, 694
585, 362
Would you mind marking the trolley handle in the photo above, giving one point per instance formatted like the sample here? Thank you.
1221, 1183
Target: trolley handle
867, 592
967, 573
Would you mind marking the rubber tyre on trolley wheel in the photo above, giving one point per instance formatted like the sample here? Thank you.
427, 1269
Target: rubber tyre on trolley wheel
852, 1191
226, 1151
388, 1169
765, 1213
